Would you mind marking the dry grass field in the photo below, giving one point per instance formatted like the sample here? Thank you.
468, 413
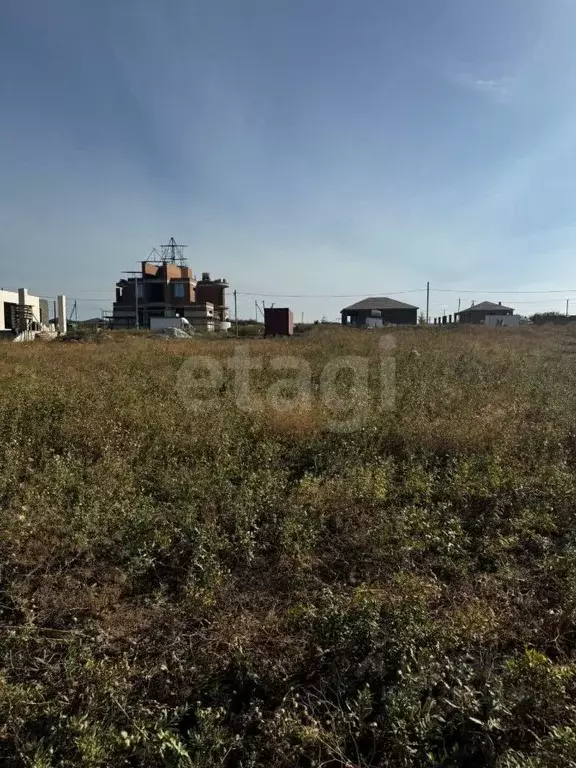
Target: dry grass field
206, 585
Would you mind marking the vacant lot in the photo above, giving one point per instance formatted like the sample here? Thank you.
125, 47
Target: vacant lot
216, 586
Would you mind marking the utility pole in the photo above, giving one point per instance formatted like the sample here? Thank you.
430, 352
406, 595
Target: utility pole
427, 302
236, 311
458, 305
567, 307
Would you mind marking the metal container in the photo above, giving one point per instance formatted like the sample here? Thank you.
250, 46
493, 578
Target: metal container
278, 321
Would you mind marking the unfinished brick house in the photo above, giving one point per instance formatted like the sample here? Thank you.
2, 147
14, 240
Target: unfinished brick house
166, 287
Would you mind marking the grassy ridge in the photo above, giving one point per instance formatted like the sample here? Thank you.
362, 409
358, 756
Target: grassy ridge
214, 587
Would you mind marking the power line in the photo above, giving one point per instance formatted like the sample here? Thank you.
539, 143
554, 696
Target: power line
433, 290
504, 291
324, 295
543, 300
71, 298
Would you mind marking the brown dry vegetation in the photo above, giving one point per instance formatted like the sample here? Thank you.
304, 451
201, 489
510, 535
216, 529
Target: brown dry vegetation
212, 587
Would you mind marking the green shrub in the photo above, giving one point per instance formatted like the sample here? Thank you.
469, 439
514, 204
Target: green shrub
211, 587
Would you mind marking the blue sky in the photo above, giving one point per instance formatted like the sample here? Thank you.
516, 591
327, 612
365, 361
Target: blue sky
321, 147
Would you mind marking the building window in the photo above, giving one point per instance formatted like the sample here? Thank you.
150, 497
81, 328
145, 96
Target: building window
155, 292
179, 290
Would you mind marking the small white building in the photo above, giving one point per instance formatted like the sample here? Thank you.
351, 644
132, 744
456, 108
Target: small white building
12, 317
23, 315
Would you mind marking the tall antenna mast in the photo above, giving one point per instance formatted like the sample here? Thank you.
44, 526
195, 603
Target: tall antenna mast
173, 252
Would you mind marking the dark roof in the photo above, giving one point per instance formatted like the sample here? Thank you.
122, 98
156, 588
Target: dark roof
486, 306
92, 321
379, 302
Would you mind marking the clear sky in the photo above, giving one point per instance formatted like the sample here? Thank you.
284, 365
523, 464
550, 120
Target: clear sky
348, 147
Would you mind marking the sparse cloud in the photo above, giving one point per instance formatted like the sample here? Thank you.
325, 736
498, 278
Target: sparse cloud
497, 89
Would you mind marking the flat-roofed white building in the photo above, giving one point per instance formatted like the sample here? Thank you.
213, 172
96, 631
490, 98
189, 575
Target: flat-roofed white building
20, 309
